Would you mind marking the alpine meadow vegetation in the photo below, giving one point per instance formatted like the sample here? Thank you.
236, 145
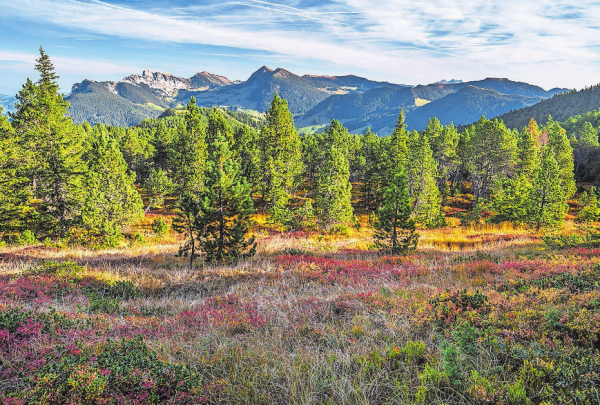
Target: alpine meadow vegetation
196, 259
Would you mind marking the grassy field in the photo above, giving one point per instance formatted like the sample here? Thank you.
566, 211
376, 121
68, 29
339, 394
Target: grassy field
475, 316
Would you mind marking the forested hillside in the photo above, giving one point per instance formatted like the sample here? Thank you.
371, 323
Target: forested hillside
560, 106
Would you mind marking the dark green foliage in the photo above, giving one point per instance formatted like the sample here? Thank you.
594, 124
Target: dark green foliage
394, 227
50, 151
527, 151
15, 191
443, 141
548, 198
26, 238
157, 187
160, 227
421, 173
247, 149
398, 155
490, 151
12, 318
561, 106
511, 199
563, 154
581, 283
333, 189
187, 153
280, 158
112, 202
373, 170
225, 207
591, 210
586, 149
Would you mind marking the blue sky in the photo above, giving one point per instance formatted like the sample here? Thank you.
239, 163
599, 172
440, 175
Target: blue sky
549, 43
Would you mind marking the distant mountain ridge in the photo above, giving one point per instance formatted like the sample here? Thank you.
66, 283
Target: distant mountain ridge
313, 99
7, 103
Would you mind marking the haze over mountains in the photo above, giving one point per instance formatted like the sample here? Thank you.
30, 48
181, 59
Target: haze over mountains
314, 100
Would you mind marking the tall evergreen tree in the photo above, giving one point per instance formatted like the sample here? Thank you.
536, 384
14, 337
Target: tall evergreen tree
586, 149
527, 160
333, 191
548, 199
421, 170
394, 228
247, 150
187, 154
217, 125
225, 207
399, 145
15, 192
112, 200
510, 199
591, 211
157, 187
490, 152
373, 171
444, 142
280, 155
52, 150
563, 154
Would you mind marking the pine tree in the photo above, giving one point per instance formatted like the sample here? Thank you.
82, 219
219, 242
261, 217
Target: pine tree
394, 227
548, 199
52, 150
510, 199
113, 203
586, 148
490, 152
421, 170
217, 124
373, 171
444, 142
527, 160
280, 155
157, 187
591, 211
187, 211
563, 154
399, 145
225, 207
247, 150
187, 154
15, 192
333, 192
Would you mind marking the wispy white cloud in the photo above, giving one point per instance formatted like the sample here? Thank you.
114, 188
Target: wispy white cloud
541, 41
68, 65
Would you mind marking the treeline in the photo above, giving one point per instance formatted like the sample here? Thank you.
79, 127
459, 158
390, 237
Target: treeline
86, 184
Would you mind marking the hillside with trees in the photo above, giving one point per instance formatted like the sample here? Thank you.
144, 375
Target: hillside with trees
560, 106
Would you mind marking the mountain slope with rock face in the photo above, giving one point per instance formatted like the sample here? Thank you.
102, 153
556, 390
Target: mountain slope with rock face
314, 100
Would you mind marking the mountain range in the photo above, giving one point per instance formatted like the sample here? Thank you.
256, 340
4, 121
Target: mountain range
314, 100
7, 103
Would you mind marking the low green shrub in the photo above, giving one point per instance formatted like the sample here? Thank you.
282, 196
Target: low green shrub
160, 227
